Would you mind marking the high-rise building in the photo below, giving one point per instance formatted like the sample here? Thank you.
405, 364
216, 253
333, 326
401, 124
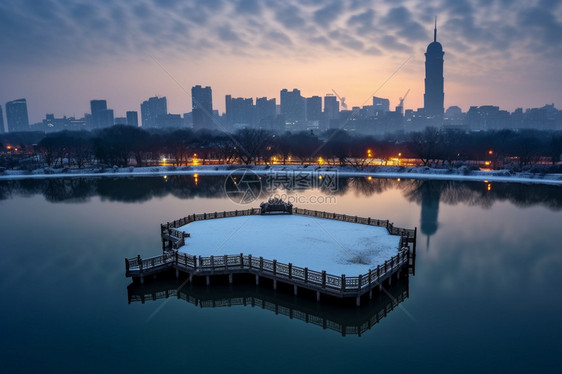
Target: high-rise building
434, 96
240, 111
101, 116
381, 105
265, 108
133, 118
293, 105
202, 104
331, 107
16, 115
313, 108
151, 109
2, 130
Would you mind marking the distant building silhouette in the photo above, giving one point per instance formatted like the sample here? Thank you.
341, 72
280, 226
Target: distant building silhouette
170, 120
266, 111
434, 96
381, 105
151, 109
331, 106
487, 117
202, 104
2, 130
16, 115
120, 121
133, 118
240, 111
101, 116
313, 108
293, 105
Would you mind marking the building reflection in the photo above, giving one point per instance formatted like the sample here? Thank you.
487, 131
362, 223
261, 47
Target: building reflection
427, 193
328, 314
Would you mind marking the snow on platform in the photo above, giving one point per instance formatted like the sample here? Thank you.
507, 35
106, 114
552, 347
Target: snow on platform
317, 243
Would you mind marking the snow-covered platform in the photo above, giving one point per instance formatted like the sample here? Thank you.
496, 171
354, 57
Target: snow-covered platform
318, 243
333, 254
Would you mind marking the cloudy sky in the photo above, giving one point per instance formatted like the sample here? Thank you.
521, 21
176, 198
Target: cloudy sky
59, 54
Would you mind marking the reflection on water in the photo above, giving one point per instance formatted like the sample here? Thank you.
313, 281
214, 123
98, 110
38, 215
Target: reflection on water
484, 299
345, 319
428, 193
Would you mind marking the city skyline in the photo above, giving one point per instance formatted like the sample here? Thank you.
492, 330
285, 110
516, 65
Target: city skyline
499, 52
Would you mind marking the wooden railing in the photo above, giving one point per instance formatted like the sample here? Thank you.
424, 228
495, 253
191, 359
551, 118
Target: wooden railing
168, 229
272, 268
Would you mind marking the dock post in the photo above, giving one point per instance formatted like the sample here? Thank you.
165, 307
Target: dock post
257, 279
317, 296
230, 278
295, 289
208, 280
275, 284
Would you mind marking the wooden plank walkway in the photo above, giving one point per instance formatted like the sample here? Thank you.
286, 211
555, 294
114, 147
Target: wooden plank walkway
319, 281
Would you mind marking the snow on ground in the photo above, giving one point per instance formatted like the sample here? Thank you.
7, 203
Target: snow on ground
317, 243
378, 172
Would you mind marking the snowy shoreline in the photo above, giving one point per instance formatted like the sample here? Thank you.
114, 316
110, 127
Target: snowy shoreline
220, 170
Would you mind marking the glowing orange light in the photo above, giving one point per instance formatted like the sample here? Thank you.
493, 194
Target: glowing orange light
400, 154
370, 178
487, 163
490, 152
8, 147
398, 179
489, 187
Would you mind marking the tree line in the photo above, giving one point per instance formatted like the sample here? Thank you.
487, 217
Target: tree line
133, 146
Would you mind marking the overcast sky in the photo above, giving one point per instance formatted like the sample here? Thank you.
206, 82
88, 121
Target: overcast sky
60, 54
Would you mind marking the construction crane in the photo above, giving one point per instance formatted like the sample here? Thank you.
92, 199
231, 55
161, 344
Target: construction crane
341, 99
400, 107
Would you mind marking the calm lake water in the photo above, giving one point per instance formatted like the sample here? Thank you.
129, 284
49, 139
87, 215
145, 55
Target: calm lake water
485, 297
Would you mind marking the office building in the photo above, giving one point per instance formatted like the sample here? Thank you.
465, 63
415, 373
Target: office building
133, 118
101, 116
16, 115
202, 104
151, 109
313, 108
434, 96
293, 106
2, 130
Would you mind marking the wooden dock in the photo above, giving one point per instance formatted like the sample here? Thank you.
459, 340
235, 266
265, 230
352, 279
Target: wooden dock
341, 286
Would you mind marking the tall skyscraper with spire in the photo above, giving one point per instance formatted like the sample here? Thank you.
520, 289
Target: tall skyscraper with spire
433, 99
